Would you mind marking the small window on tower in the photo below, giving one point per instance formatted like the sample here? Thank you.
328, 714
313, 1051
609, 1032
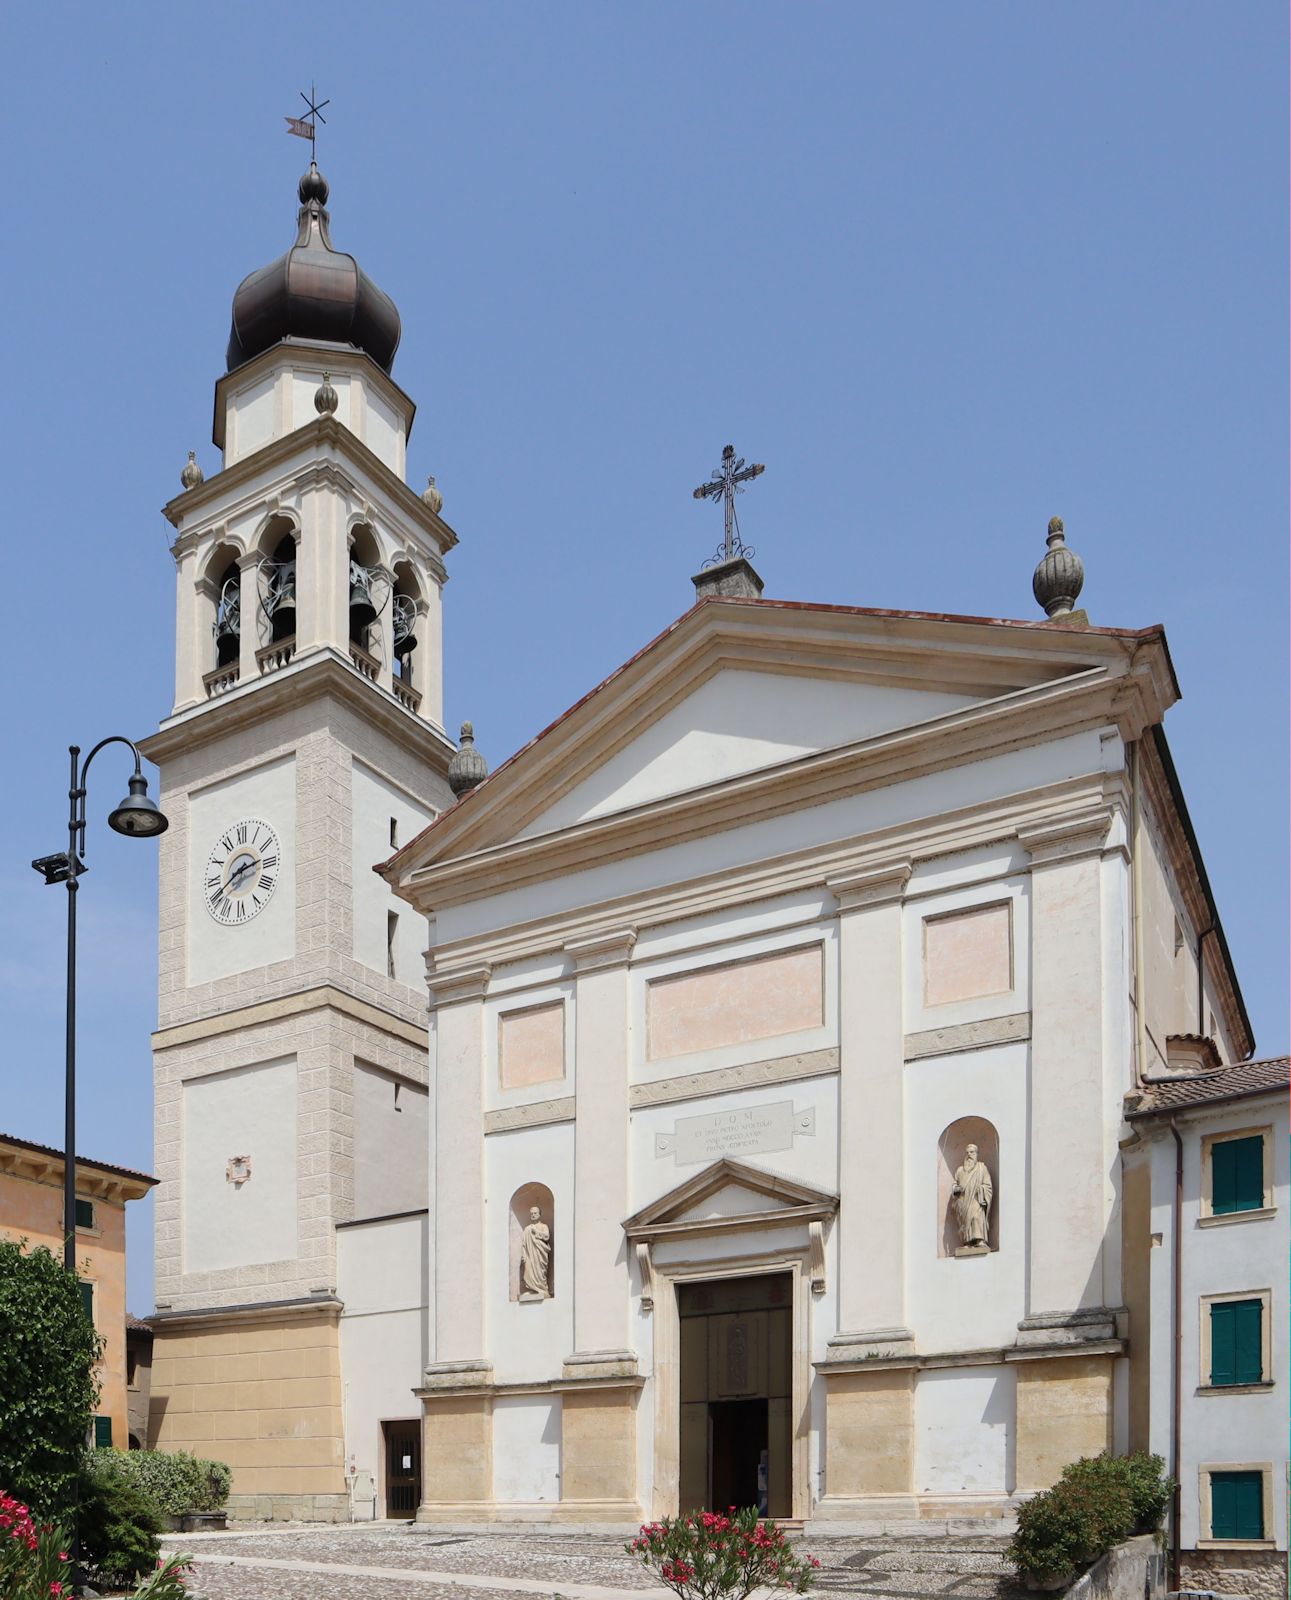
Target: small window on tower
1178, 936
394, 833
392, 930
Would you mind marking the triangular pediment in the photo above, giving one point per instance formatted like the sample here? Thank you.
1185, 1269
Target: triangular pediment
725, 1191
738, 694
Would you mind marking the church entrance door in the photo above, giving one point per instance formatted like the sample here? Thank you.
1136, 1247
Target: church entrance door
736, 1392
403, 1468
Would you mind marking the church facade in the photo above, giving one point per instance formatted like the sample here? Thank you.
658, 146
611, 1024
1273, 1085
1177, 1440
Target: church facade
759, 1140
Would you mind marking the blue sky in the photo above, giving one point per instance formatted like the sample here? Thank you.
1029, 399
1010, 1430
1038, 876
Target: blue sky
947, 269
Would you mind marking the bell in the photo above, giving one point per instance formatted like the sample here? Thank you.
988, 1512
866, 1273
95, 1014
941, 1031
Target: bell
282, 625
227, 646
406, 645
362, 612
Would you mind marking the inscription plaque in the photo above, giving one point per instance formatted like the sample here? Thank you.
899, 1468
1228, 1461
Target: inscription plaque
752, 1130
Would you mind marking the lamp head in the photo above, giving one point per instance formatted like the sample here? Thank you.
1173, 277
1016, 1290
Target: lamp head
137, 815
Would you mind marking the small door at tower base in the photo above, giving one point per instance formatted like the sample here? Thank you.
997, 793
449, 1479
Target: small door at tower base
402, 1468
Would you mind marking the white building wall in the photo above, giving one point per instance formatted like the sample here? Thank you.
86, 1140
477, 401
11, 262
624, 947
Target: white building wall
965, 1434
391, 1124
378, 803
381, 1272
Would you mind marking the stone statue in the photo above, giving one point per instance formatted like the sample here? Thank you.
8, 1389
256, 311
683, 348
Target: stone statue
535, 1258
972, 1194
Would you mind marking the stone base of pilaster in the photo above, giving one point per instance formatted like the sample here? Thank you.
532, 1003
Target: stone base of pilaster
870, 1344
1064, 1411
869, 1444
1050, 1328
456, 1454
593, 1364
598, 1450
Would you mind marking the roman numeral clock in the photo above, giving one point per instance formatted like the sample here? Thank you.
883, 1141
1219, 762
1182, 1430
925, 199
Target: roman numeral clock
242, 872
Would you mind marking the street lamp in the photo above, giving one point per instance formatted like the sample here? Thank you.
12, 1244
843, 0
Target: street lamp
141, 818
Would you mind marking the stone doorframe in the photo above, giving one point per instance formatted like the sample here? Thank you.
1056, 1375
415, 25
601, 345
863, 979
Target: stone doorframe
790, 1229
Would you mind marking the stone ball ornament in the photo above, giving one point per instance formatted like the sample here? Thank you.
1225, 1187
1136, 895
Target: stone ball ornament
1060, 575
431, 496
326, 398
191, 474
467, 766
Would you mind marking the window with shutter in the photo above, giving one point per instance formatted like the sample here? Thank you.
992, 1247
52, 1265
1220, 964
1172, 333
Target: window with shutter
103, 1433
87, 1298
1236, 1342
1237, 1175
85, 1213
1237, 1505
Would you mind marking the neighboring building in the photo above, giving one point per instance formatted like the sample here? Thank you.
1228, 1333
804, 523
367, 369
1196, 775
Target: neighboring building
138, 1378
1209, 1154
31, 1208
764, 1141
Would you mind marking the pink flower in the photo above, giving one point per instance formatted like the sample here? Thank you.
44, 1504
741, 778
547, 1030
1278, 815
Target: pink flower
55, 1588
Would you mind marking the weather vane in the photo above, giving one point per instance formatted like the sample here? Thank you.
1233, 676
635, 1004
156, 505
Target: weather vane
304, 128
727, 481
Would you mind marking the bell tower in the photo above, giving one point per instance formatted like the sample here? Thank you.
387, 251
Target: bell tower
305, 743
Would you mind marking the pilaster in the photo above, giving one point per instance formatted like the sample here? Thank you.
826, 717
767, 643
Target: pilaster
601, 1196
249, 603
871, 1253
188, 657
1065, 1278
457, 1266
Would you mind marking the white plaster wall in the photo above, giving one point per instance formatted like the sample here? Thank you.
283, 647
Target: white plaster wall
528, 1340
725, 727
305, 383
383, 432
250, 1111
252, 417
391, 1132
526, 1448
376, 801
969, 1302
965, 1430
381, 1272
1227, 1259
931, 796
215, 951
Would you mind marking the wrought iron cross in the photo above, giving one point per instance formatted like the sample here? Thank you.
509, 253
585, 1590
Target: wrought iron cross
306, 127
727, 481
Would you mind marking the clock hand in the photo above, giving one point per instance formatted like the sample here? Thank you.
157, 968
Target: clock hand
240, 873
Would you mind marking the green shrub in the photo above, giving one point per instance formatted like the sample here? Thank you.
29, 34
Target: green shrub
48, 1387
176, 1481
1098, 1501
118, 1521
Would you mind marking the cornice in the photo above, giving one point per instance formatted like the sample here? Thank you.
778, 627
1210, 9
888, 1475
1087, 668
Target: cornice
264, 1012
968, 828
312, 674
901, 755
599, 952
1067, 839
458, 985
876, 886
313, 436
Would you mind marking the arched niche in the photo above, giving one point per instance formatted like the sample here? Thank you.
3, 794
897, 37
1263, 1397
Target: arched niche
277, 549
951, 1149
526, 1197
407, 609
368, 594
219, 589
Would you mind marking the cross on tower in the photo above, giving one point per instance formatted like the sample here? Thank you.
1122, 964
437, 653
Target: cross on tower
727, 481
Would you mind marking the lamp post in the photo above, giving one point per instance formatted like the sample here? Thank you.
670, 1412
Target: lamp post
141, 818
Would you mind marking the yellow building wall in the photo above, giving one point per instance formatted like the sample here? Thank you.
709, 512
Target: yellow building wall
32, 1210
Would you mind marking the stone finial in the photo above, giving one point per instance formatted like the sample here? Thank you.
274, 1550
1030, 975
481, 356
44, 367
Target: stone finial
467, 767
736, 579
325, 397
1060, 576
431, 496
191, 474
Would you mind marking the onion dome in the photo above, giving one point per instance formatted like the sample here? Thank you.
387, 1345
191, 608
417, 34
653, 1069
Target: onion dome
467, 767
325, 397
1060, 576
431, 496
314, 292
191, 474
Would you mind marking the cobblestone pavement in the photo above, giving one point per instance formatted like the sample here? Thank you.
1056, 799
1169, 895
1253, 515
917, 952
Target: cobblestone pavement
412, 1563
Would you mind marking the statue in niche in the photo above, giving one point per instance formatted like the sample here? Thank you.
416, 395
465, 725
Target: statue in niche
972, 1194
535, 1258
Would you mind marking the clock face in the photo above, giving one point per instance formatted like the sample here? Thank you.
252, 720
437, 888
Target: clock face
242, 872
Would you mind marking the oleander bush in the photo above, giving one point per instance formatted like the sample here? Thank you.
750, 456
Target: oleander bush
709, 1555
36, 1563
1098, 1502
48, 1387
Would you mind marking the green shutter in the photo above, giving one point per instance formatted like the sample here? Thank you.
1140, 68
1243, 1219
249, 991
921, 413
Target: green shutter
1236, 1354
1237, 1175
87, 1298
1237, 1505
103, 1433
85, 1213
